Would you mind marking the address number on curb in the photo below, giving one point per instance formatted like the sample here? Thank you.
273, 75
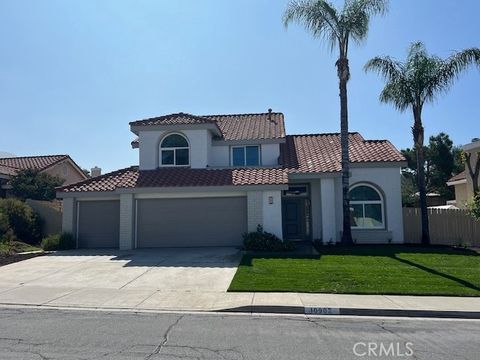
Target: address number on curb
315, 310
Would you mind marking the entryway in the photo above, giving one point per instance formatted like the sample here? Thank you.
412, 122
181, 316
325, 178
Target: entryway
296, 213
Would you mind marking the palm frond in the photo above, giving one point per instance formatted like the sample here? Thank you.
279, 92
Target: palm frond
386, 67
317, 16
356, 14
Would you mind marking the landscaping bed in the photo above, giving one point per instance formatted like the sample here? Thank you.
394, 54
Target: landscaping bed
10, 253
362, 269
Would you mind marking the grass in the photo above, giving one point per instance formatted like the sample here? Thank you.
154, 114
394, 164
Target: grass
378, 269
16, 247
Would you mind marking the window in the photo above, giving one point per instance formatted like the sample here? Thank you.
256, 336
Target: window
245, 156
174, 151
366, 207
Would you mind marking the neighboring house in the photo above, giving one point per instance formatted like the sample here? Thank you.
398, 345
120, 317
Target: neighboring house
206, 180
463, 182
459, 182
56, 165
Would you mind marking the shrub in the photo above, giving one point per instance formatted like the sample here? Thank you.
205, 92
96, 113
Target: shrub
473, 207
21, 219
64, 241
264, 241
32, 184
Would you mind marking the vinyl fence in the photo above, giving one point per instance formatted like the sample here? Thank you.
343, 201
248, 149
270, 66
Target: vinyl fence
447, 227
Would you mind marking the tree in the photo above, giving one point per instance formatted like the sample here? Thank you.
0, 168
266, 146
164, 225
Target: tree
32, 184
473, 170
338, 27
411, 84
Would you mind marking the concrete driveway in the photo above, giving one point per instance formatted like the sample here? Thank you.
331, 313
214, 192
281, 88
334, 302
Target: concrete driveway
149, 278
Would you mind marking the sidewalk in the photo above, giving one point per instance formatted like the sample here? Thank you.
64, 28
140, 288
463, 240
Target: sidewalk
294, 303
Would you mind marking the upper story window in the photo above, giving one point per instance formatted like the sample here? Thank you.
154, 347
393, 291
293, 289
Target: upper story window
245, 155
367, 207
174, 151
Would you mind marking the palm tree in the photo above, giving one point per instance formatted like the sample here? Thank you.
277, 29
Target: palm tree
338, 27
411, 84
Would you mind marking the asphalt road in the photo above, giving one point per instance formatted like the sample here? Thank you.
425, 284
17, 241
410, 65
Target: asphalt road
58, 334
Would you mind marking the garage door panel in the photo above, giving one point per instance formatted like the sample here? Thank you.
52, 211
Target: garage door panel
191, 222
98, 224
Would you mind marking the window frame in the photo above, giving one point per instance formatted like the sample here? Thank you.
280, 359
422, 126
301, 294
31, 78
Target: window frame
174, 149
244, 147
380, 202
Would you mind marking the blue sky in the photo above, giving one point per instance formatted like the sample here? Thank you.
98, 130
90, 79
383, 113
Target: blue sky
74, 73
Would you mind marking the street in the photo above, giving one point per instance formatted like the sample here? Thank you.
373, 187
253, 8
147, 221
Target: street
27, 333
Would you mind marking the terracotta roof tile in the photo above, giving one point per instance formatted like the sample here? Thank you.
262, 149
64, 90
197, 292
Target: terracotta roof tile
7, 170
459, 176
32, 162
322, 152
233, 127
250, 126
180, 177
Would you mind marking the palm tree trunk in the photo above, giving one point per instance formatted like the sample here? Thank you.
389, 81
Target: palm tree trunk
418, 137
344, 75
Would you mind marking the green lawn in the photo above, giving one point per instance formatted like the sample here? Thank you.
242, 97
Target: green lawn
364, 269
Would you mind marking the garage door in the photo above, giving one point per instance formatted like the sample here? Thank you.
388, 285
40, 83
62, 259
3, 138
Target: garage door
98, 224
191, 222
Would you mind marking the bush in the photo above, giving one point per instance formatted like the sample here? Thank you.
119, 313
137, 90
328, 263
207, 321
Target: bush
64, 241
264, 241
25, 224
473, 207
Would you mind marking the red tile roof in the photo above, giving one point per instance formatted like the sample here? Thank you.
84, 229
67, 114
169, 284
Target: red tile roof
322, 152
32, 162
300, 154
233, 127
459, 176
180, 177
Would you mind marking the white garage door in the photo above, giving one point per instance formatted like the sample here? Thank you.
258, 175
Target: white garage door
191, 222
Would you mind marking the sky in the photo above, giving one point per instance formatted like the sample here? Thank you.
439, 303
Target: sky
73, 74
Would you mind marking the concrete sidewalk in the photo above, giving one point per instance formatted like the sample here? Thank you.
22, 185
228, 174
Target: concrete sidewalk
157, 300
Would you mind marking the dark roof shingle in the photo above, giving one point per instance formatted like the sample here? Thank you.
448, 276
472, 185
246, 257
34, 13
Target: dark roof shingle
459, 176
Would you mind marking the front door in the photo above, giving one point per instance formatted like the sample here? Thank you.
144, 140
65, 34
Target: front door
294, 218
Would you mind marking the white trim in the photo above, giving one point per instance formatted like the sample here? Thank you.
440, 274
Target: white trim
457, 182
135, 241
380, 202
189, 195
100, 198
78, 224
245, 155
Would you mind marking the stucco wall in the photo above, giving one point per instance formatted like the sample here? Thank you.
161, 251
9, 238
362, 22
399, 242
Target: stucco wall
219, 156
272, 212
461, 196
270, 154
66, 171
387, 180
199, 141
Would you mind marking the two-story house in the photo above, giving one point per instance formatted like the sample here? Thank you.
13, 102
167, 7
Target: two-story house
206, 180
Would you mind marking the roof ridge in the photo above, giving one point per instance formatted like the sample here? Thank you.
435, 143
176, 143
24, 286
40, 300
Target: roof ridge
33, 156
243, 114
325, 134
172, 115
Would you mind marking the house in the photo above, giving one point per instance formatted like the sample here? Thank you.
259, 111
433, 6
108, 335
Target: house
463, 182
206, 180
56, 165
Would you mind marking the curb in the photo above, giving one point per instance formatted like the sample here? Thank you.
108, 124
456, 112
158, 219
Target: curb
312, 310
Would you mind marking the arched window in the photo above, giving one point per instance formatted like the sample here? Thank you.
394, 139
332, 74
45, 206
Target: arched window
174, 151
366, 207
